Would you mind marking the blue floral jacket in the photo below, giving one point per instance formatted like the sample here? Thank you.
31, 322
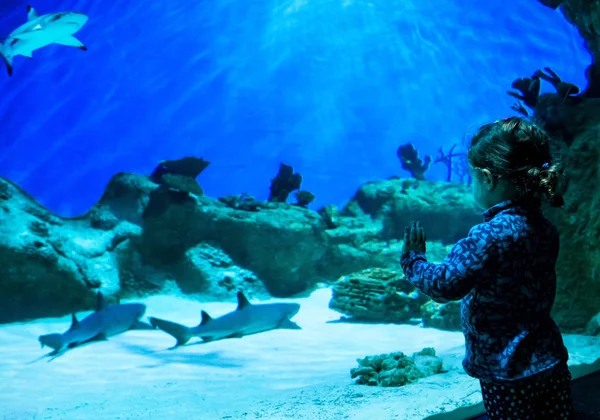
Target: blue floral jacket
504, 272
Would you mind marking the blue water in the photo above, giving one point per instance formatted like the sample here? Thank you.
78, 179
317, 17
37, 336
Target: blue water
330, 87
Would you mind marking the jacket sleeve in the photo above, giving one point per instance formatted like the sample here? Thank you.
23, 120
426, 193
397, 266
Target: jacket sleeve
457, 274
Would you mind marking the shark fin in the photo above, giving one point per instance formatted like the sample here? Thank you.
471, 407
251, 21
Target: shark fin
74, 322
100, 302
236, 335
180, 332
242, 301
204, 318
71, 41
7, 60
288, 324
31, 13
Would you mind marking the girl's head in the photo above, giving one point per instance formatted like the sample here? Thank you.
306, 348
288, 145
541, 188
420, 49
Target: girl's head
511, 160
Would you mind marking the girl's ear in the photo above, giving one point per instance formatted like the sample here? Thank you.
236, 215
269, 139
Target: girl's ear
489, 180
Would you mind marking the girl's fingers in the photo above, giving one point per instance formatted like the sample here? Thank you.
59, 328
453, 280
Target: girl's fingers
406, 235
414, 233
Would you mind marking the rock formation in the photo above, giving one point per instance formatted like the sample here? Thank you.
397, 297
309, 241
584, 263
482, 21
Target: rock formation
573, 119
144, 237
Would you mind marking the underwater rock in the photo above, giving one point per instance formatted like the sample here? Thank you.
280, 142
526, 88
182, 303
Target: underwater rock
585, 15
282, 245
376, 295
189, 167
330, 215
443, 316
446, 209
575, 129
208, 270
180, 174
304, 198
124, 199
50, 266
593, 327
244, 202
396, 369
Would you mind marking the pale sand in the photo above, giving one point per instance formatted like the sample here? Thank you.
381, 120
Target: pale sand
283, 374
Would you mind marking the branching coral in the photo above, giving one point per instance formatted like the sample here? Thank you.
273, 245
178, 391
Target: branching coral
563, 89
456, 163
529, 88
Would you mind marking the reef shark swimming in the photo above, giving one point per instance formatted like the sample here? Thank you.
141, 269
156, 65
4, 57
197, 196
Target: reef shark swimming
106, 321
41, 31
246, 319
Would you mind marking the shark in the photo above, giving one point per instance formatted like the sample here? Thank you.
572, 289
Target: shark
246, 319
40, 31
106, 321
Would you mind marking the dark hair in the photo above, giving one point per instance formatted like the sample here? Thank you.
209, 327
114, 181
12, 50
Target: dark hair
517, 150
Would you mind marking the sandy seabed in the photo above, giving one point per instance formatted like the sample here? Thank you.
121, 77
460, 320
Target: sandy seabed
282, 374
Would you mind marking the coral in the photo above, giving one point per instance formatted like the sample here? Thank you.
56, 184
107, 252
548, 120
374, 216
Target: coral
529, 88
396, 369
377, 294
444, 316
304, 198
563, 89
410, 161
284, 183
456, 163
530, 91
383, 295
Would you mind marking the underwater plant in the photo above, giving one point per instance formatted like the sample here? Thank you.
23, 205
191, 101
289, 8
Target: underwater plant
284, 183
410, 161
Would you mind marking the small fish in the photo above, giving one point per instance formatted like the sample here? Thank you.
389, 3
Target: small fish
41, 31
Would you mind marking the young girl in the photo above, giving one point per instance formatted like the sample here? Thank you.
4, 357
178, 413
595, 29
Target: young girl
504, 272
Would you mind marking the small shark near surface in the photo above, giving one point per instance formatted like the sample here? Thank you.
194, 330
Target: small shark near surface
41, 31
246, 319
106, 321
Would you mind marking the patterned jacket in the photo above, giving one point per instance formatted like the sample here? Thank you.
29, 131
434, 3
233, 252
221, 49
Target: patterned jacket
504, 272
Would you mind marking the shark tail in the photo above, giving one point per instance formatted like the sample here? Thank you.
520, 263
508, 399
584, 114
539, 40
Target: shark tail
180, 332
54, 341
8, 60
